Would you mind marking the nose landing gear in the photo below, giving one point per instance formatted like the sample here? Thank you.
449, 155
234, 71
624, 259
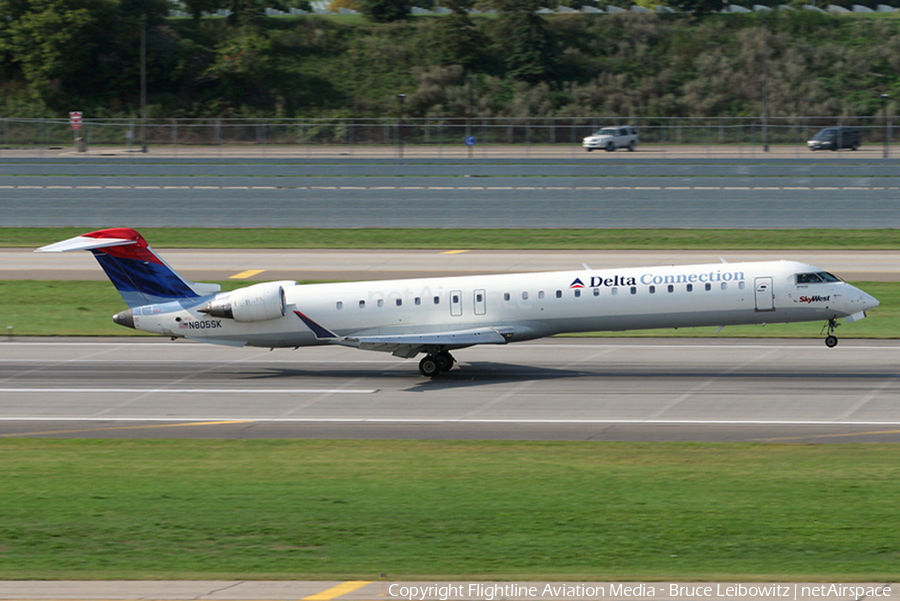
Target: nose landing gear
831, 340
434, 363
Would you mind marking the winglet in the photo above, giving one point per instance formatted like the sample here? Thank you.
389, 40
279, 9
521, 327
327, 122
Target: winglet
321, 332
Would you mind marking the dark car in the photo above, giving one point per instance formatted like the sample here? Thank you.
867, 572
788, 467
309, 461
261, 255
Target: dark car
833, 138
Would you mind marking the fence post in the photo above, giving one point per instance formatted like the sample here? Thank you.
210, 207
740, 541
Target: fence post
350, 134
572, 136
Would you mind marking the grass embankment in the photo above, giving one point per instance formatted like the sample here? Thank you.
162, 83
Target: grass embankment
76, 308
493, 510
487, 239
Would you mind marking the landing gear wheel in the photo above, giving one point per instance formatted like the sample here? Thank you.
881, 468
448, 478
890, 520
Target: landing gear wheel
429, 366
631, 146
831, 340
445, 360
435, 363
610, 147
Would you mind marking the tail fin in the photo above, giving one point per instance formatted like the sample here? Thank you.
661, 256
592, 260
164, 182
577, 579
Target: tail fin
137, 272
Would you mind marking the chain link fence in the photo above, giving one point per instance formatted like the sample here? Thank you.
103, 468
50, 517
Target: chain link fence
430, 138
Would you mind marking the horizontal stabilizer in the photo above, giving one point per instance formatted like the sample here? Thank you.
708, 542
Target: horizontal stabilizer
83, 243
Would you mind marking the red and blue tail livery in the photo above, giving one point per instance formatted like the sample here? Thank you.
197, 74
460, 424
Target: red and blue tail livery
138, 273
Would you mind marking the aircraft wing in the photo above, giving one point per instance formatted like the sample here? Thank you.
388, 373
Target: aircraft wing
409, 345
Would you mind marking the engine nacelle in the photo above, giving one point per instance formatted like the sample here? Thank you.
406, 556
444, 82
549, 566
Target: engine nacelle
260, 302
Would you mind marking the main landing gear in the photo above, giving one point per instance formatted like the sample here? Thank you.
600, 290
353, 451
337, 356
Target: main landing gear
831, 340
434, 363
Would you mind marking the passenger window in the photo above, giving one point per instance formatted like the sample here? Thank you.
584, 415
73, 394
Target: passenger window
418, 301
437, 300
541, 294
479, 298
524, 296
559, 294
380, 302
596, 292
671, 288
399, 302
690, 287
741, 285
362, 304
708, 286
652, 289
724, 285
577, 293
455, 298
634, 289
506, 296
614, 291
340, 305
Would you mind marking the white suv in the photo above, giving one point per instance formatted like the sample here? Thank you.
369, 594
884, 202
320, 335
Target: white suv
610, 138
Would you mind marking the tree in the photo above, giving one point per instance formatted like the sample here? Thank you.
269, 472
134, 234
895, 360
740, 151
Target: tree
386, 11
458, 40
529, 49
196, 8
51, 42
698, 7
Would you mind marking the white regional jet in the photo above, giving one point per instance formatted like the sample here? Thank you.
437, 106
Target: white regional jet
438, 315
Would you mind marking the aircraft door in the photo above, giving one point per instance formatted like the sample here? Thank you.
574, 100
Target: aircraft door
456, 303
765, 295
480, 302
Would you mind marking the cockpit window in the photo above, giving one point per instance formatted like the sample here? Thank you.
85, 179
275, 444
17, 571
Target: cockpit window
816, 278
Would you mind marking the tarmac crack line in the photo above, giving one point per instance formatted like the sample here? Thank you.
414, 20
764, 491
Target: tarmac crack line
865, 400
684, 396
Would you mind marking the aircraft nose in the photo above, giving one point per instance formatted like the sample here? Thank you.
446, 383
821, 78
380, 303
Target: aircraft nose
869, 302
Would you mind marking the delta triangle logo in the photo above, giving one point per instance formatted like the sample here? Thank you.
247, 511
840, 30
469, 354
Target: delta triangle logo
577, 283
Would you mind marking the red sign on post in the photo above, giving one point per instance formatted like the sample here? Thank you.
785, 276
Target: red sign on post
75, 120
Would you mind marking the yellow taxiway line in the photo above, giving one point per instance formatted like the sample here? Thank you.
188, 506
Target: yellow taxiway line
337, 591
245, 274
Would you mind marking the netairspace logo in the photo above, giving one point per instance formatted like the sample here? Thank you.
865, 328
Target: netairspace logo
636, 591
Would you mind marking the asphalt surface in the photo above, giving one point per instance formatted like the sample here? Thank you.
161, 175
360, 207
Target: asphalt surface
813, 192
554, 389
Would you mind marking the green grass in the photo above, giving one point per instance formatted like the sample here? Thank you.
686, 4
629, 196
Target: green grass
238, 509
549, 239
65, 308
78, 308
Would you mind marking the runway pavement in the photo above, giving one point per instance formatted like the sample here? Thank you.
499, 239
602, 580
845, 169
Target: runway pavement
554, 389
554, 191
